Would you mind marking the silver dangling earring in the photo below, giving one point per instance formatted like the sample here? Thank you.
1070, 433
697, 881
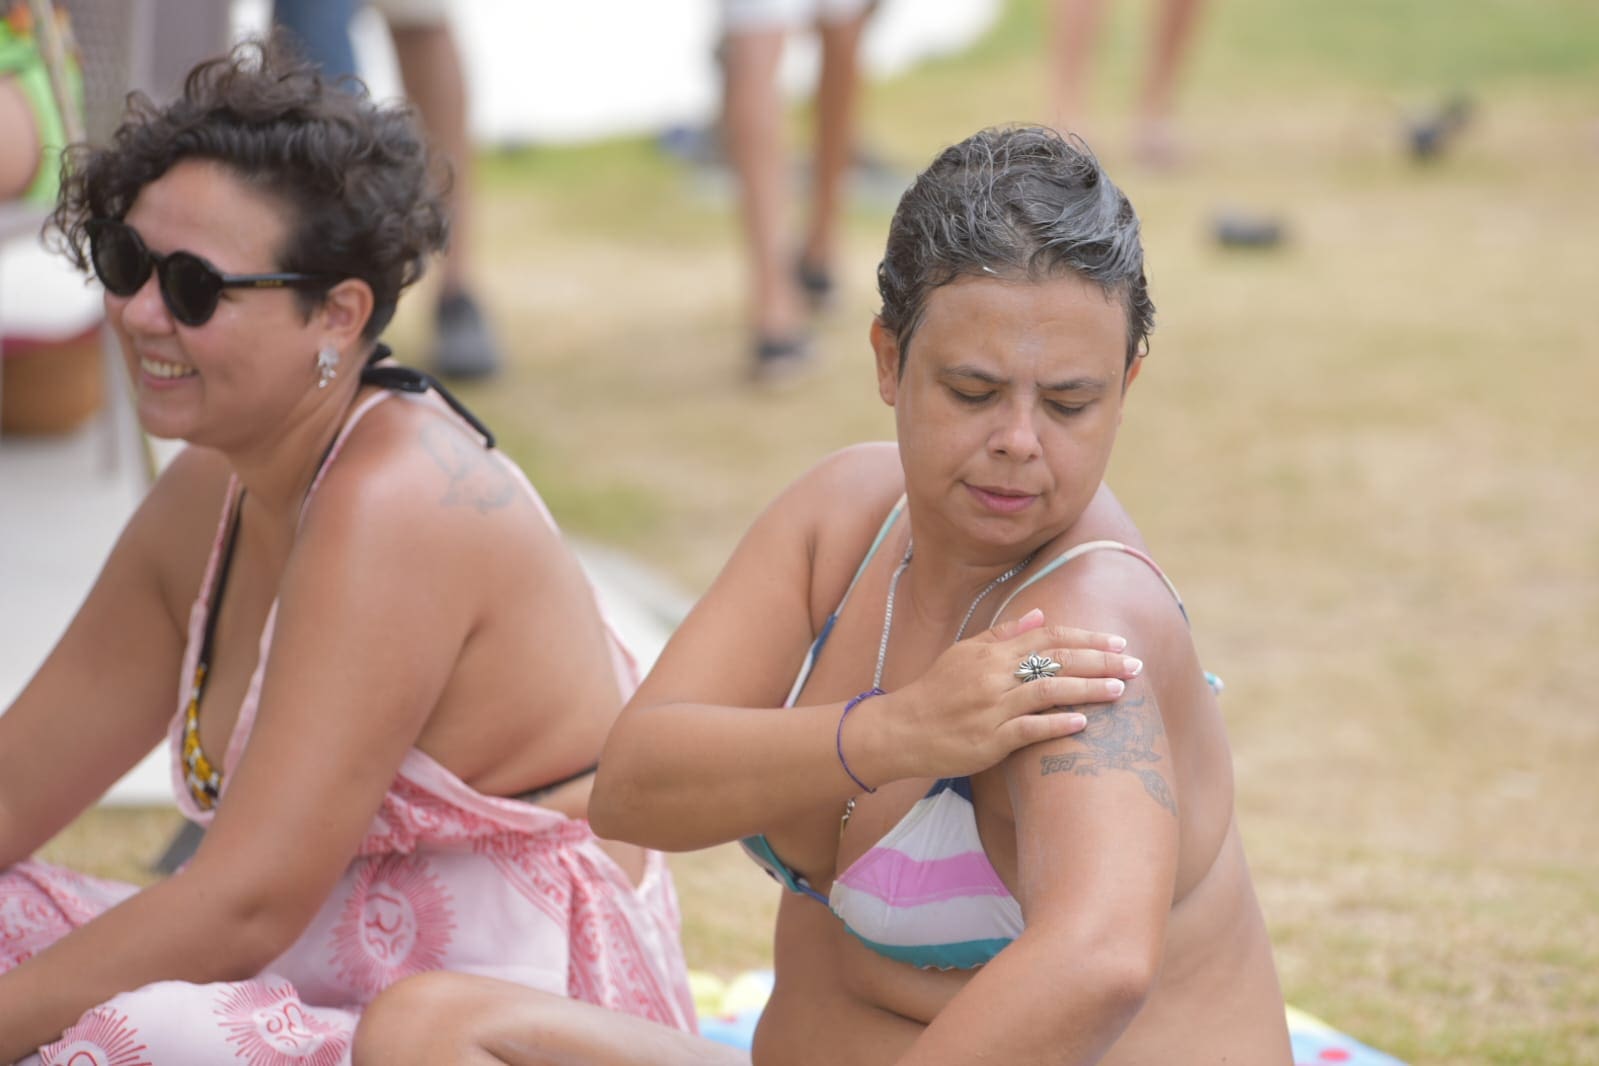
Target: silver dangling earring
327, 365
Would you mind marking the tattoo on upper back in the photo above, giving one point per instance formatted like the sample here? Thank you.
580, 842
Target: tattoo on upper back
476, 479
1117, 737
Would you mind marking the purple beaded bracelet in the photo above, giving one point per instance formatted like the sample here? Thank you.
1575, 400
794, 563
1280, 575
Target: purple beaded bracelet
839, 740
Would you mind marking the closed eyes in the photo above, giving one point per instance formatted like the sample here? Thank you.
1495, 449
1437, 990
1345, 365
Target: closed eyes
977, 399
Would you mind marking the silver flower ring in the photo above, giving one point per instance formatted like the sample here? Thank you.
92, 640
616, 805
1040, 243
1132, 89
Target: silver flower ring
1035, 667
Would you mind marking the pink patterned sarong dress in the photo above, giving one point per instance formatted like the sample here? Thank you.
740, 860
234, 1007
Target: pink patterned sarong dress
446, 878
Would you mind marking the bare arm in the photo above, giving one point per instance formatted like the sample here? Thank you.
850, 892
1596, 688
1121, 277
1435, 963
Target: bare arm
1097, 837
704, 753
103, 696
354, 669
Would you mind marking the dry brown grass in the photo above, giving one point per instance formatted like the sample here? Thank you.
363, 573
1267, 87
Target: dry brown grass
1368, 458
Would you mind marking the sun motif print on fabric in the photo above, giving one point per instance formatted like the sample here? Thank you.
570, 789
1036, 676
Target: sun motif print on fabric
397, 922
101, 1037
1118, 738
269, 1026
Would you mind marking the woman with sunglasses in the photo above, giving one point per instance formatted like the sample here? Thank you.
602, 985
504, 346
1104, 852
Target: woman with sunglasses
382, 676
959, 885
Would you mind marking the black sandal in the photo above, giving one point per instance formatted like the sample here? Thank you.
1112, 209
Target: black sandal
816, 283
780, 359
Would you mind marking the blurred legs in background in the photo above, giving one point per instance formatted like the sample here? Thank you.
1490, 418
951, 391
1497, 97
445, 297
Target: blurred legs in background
785, 283
1074, 31
431, 69
430, 65
323, 30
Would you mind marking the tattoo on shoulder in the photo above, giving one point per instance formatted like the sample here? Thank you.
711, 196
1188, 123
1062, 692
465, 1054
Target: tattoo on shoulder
475, 479
1119, 737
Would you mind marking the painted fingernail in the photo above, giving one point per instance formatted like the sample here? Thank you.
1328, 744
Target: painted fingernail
1114, 687
1132, 667
1117, 643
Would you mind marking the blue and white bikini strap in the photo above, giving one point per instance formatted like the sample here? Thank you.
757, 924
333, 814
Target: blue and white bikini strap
757, 848
1083, 549
1110, 545
877, 542
827, 626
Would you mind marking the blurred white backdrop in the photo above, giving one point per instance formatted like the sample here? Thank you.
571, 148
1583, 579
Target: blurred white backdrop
548, 72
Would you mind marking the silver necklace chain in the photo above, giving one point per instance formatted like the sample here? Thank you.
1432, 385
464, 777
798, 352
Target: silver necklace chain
893, 586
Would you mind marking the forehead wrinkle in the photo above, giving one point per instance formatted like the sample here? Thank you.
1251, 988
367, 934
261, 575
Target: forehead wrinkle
966, 370
1079, 384
1076, 384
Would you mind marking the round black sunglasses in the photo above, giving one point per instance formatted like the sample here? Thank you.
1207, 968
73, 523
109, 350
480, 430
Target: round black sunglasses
190, 286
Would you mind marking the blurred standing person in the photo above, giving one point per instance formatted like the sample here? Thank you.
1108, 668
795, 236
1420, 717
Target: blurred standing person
1074, 31
785, 286
431, 69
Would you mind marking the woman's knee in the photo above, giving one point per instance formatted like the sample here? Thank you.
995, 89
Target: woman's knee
455, 1017
426, 1018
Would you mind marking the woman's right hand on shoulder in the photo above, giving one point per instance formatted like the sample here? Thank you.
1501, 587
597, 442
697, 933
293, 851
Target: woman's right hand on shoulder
969, 710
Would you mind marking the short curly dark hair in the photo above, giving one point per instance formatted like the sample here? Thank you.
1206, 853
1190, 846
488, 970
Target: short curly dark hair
364, 194
1013, 202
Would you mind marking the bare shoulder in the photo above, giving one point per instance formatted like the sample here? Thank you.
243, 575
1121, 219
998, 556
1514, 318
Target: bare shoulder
1108, 589
190, 491
415, 447
412, 474
1104, 579
1106, 519
416, 497
842, 502
1102, 568
868, 476
870, 465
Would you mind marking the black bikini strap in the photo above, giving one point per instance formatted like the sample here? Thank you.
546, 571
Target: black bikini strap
409, 379
532, 793
213, 608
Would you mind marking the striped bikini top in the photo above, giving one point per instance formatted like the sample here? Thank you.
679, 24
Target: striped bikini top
926, 893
